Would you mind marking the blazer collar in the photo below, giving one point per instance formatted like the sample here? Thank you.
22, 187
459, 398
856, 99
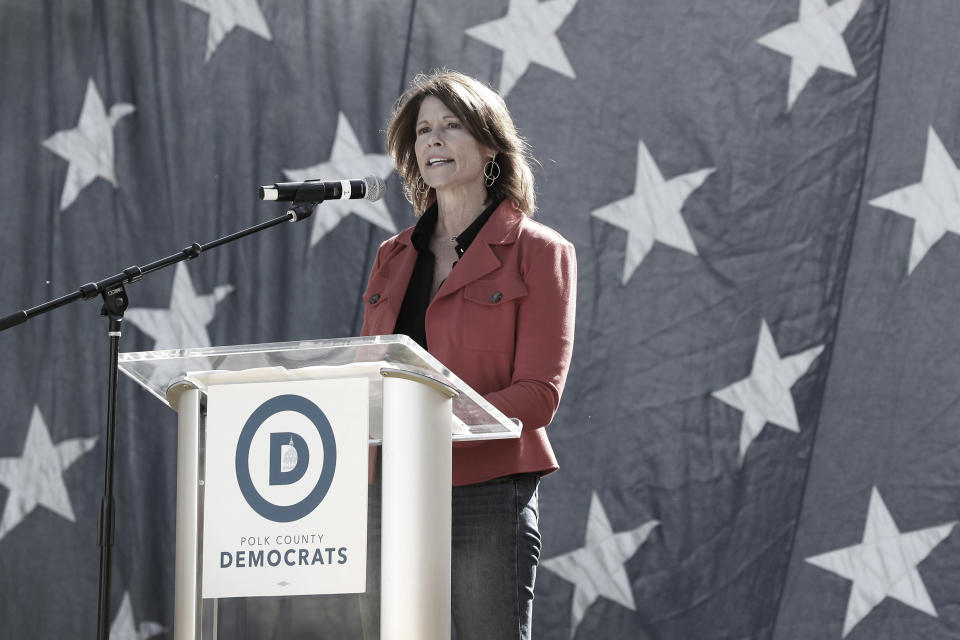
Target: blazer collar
503, 227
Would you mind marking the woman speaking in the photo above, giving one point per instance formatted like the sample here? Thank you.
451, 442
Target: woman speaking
491, 294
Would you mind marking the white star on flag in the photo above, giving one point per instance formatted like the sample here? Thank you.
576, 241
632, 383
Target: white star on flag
36, 477
652, 212
528, 33
884, 564
347, 161
124, 625
184, 323
88, 147
814, 41
933, 203
227, 14
764, 396
596, 569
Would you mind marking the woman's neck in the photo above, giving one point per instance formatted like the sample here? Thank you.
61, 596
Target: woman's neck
458, 209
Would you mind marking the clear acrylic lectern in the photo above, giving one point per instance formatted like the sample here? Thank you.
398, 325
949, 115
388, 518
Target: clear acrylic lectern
417, 409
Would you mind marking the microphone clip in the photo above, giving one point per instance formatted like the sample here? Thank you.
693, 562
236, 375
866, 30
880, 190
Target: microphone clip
301, 211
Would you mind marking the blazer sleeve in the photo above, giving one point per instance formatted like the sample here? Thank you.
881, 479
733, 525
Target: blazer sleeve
544, 337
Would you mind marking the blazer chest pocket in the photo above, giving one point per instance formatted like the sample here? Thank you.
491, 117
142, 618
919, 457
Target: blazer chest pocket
490, 314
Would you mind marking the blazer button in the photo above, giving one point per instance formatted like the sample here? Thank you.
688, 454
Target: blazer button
497, 297
374, 298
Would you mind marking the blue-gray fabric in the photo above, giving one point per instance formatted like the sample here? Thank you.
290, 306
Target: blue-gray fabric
785, 237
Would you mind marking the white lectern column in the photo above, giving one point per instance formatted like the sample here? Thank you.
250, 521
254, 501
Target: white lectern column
186, 618
417, 494
192, 618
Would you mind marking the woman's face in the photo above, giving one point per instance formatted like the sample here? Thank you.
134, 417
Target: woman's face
449, 157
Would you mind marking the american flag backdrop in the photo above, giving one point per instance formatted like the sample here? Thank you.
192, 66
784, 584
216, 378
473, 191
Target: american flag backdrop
760, 434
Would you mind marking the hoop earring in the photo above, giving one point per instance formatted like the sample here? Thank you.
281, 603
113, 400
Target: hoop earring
491, 171
422, 187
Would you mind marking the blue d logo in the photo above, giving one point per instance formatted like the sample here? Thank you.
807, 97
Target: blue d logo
289, 458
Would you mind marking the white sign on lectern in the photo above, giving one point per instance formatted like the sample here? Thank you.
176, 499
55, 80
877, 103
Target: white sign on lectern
285, 505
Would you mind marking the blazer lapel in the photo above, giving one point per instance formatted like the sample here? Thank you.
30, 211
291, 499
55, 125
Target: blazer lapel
401, 268
503, 227
391, 282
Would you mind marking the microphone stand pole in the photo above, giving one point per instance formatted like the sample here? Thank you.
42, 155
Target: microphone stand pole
115, 302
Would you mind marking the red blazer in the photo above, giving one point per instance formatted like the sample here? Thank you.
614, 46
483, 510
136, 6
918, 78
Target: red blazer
503, 322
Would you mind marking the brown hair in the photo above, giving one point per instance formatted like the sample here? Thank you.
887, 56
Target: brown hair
484, 114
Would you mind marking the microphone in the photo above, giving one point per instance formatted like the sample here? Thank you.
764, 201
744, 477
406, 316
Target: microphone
370, 188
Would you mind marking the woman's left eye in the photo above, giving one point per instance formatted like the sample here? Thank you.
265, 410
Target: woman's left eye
453, 125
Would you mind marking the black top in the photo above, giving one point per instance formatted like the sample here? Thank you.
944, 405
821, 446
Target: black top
411, 320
